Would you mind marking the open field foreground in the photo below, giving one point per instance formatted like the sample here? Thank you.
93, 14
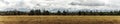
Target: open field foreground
59, 19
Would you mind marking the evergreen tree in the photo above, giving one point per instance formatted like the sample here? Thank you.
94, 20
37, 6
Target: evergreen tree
46, 12
64, 13
37, 12
58, 13
32, 12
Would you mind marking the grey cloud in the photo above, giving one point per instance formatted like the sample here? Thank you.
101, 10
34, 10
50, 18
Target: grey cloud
72, 5
87, 4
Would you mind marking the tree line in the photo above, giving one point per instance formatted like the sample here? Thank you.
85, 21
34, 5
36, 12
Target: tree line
38, 12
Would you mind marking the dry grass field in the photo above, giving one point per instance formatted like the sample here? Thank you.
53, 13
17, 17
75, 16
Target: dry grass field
59, 19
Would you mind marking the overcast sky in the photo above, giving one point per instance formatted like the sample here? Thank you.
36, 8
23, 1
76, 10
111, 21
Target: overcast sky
55, 5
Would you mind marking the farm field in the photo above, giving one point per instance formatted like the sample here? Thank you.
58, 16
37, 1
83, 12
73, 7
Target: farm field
59, 19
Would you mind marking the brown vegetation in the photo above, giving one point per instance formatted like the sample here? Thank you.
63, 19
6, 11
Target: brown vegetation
59, 20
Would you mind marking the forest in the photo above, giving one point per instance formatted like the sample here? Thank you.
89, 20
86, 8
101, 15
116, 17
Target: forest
38, 12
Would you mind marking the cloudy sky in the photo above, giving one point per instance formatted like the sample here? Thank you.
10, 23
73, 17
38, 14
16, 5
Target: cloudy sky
55, 5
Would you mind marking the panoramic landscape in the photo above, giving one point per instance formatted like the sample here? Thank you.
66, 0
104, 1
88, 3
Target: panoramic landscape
59, 11
59, 7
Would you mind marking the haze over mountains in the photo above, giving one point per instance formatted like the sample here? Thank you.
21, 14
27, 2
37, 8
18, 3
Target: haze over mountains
61, 5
